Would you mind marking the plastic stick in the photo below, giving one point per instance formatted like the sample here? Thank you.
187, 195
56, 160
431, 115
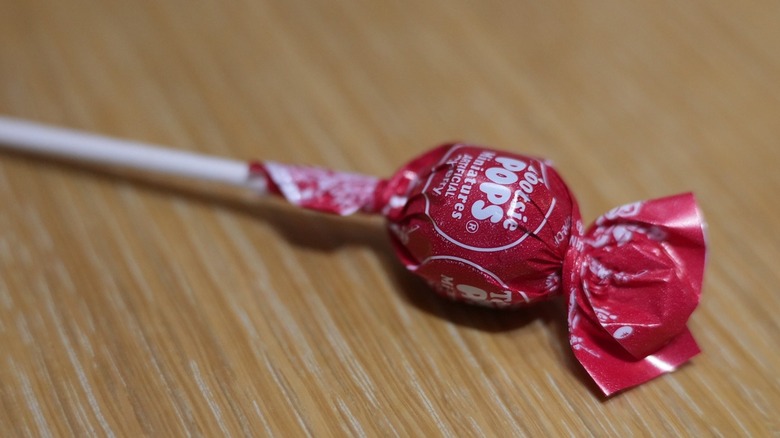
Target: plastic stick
52, 141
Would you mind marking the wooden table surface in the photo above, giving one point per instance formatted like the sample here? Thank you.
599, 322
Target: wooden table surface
135, 306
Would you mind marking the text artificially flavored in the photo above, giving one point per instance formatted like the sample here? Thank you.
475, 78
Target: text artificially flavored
503, 230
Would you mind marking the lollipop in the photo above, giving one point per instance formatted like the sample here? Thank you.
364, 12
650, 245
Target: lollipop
486, 227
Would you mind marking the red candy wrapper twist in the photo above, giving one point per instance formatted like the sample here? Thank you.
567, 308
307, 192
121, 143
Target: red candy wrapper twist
503, 230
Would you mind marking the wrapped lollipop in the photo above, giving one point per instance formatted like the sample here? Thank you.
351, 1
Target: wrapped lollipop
486, 227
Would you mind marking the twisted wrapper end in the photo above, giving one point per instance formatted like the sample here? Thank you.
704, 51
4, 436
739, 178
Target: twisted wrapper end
633, 279
323, 190
340, 193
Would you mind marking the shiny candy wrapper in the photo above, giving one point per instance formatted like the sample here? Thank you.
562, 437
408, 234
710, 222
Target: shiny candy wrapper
503, 230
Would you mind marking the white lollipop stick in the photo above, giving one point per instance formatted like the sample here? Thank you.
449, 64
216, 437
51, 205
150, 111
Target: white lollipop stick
51, 141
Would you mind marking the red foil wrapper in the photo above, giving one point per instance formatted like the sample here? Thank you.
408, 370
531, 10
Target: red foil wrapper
503, 230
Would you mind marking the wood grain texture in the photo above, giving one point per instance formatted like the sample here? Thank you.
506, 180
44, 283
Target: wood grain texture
143, 306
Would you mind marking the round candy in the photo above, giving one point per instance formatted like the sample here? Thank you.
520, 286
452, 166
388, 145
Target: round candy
490, 228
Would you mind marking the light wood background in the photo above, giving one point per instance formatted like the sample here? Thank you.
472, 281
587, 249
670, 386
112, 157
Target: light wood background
148, 306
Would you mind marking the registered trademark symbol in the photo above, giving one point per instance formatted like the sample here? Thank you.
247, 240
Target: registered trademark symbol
472, 226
